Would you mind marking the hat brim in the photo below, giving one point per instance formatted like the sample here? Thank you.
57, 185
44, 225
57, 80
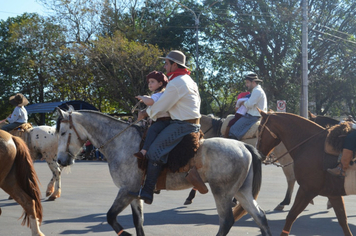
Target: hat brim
256, 80
172, 59
13, 102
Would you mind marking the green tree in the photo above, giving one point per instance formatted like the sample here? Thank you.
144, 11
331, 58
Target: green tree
120, 66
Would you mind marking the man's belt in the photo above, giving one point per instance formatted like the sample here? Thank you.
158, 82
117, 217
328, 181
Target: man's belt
193, 121
164, 118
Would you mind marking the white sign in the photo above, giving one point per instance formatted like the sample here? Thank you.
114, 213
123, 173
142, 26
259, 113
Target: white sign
281, 105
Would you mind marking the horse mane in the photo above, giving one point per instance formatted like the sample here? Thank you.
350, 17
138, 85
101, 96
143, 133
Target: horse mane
90, 111
27, 178
294, 116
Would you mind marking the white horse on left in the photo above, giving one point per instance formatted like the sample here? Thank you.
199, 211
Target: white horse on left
42, 142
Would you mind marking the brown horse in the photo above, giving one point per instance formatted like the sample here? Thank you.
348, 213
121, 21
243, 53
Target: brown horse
19, 179
305, 141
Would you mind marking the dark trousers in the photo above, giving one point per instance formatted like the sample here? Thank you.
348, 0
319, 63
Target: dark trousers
154, 131
350, 141
168, 139
11, 126
233, 121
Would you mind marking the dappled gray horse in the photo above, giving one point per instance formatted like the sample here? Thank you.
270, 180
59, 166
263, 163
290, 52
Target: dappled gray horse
232, 168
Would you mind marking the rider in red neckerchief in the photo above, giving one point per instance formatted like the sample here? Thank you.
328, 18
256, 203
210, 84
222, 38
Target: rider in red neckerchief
182, 100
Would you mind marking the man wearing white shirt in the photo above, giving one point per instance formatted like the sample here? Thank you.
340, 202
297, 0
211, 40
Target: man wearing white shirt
181, 100
258, 99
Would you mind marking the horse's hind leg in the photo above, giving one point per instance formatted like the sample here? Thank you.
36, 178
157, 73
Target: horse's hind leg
245, 197
301, 201
191, 196
10, 186
123, 199
223, 206
289, 173
339, 208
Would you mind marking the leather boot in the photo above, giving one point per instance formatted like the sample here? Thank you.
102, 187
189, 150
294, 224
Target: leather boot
340, 170
146, 192
194, 178
227, 131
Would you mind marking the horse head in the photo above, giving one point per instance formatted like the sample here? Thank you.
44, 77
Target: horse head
267, 139
69, 140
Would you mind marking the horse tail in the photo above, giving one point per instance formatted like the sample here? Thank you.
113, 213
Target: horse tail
238, 211
27, 178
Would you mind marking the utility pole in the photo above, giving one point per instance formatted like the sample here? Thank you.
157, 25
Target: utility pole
197, 35
304, 92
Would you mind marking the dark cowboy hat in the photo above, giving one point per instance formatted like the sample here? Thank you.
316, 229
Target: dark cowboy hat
176, 56
253, 77
18, 99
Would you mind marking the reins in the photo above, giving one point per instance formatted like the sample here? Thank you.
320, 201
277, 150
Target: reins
71, 125
101, 146
288, 151
134, 123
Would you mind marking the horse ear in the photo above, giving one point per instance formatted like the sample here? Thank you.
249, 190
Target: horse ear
59, 112
271, 111
70, 109
263, 114
311, 115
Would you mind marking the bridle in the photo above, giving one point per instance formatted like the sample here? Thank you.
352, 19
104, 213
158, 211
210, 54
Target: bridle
276, 137
71, 125
264, 126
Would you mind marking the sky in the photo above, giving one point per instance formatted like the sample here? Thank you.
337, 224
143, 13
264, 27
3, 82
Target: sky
13, 8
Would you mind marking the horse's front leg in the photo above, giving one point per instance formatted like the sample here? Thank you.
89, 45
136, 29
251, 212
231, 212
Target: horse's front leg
337, 203
301, 201
54, 186
122, 200
137, 214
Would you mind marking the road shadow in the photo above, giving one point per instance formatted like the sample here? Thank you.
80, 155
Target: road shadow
306, 224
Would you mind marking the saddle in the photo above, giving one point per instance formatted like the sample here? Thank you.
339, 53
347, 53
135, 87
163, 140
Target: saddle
181, 159
250, 134
336, 137
20, 130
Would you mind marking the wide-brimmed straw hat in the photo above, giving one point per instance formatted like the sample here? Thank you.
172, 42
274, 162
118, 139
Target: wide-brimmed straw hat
176, 56
253, 77
18, 100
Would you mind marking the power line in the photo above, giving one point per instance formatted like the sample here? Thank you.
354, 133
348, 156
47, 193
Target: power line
334, 36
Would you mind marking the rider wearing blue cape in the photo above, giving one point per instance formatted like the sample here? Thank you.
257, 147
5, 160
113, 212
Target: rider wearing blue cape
257, 99
182, 100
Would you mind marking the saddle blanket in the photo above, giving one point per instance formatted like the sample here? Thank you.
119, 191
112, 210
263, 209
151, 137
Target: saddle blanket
251, 133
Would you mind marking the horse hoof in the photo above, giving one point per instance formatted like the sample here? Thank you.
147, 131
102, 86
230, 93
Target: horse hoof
188, 202
50, 199
279, 208
124, 233
328, 206
311, 202
10, 198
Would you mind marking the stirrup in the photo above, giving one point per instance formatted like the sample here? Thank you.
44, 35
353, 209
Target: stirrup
341, 174
139, 155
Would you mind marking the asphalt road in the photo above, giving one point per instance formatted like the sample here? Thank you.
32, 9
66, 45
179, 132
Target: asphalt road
88, 192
